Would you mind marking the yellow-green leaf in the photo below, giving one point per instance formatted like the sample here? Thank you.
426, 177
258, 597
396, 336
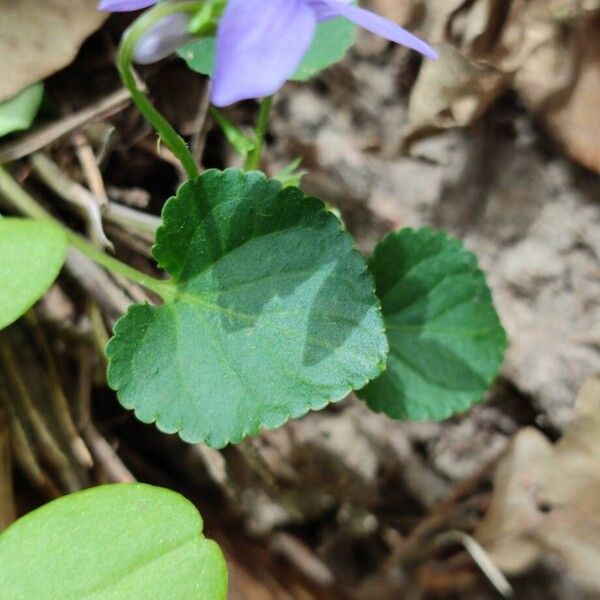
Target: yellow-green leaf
117, 542
31, 256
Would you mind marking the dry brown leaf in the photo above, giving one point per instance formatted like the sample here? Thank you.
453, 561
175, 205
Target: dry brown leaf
547, 50
547, 498
402, 13
450, 92
456, 89
560, 81
575, 121
38, 38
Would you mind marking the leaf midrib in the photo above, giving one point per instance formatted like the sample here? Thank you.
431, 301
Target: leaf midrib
398, 353
194, 300
272, 276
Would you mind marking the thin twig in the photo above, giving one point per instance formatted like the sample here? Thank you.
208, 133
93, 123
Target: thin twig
59, 400
7, 503
300, 555
107, 458
140, 243
97, 283
129, 218
44, 436
89, 165
72, 192
201, 124
40, 138
135, 292
68, 331
100, 333
133, 197
481, 558
22, 450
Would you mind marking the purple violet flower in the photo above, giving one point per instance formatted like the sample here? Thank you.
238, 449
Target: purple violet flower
261, 43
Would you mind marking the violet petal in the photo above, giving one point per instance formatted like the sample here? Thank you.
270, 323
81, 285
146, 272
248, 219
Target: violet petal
374, 23
260, 43
124, 5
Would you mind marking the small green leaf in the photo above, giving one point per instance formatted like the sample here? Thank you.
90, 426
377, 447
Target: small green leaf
446, 340
275, 313
19, 112
291, 174
331, 42
240, 143
31, 256
123, 542
200, 55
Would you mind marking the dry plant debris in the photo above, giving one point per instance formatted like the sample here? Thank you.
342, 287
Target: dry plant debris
547, 498
35, 43
547, 51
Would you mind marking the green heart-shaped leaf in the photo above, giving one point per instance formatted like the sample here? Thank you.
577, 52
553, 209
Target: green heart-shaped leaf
446, 340
332, 40
31, 256
18, 112
115, 541
273, 313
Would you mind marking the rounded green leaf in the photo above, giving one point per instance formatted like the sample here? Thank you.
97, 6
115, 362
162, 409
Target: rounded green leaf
18, 112
446, 340
332, 40
274, 313
123, 542
31, 256
200, 55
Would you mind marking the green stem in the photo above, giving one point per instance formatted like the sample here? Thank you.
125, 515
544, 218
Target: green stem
163, 288
27, 205
254, 158
20, 199
129, 41
240, 143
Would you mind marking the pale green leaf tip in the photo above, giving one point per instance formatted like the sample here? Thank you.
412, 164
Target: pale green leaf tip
32, 254
19, 112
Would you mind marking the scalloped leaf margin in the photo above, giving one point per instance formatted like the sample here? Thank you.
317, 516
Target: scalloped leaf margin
446, 340
274, 314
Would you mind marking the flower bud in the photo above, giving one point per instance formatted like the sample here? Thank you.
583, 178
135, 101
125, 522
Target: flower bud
162, 39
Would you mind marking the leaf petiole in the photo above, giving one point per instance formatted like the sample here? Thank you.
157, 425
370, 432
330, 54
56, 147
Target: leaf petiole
164, 289
27, 205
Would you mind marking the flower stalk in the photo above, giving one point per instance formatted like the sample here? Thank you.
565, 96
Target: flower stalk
255, 155
127, 47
